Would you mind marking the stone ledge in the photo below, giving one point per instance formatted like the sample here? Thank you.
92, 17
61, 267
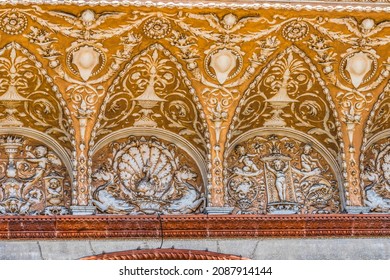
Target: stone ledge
193, 226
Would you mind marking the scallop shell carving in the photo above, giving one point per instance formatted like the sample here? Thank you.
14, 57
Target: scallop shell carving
147, 177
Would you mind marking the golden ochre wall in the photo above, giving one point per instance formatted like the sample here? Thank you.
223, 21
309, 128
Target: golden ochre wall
173, 109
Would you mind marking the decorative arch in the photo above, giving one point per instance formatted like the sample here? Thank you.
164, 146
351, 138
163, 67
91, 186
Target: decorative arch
168, 136
289, 92
375, 156
284, 151
282, 171
147, 175
153, 91
37, 138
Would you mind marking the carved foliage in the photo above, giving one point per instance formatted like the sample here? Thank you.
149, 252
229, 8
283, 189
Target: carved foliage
153, 92
289, 93
27, 98
379, 119
146, 176
33, 179
280, 175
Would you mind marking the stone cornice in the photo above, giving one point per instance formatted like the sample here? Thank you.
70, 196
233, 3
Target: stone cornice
194, 226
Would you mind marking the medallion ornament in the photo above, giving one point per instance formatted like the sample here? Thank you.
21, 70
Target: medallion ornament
295, 30
13, 22
157, 27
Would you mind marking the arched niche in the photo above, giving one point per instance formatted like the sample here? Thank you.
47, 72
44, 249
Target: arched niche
375, 157
147, 171
282, 171
36, 174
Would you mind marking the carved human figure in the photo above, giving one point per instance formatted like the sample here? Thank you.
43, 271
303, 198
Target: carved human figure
386, 170
308, 163
54, 192
245, 158
279, 170
38, 156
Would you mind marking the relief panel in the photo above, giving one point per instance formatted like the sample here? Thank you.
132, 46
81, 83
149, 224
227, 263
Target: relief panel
33, 180
280, 175
146, 175
376, 176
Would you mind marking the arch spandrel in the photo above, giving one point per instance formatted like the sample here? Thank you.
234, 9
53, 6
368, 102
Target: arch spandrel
146, 175
153, 91
29, 98
289, 92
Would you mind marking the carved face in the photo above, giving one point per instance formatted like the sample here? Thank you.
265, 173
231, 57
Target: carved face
307, 149
279, 165
386, 167
40, 151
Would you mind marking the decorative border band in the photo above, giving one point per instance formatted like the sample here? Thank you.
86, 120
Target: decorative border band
332, 6
193, 226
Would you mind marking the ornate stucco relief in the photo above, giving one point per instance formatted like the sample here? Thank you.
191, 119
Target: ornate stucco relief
200, 77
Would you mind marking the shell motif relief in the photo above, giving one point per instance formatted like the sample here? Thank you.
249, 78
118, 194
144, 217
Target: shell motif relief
146, 176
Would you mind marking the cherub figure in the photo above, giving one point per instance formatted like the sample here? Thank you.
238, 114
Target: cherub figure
279, 170
386, 170
245, 158
309, 163
54, 192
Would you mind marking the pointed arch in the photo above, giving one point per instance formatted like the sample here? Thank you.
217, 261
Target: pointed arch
285, 142
305, 110
153, 91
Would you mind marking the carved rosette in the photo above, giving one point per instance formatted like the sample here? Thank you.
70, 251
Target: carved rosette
157, 27
13, 22
142, 175
34, 181
278, 174
295, 30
